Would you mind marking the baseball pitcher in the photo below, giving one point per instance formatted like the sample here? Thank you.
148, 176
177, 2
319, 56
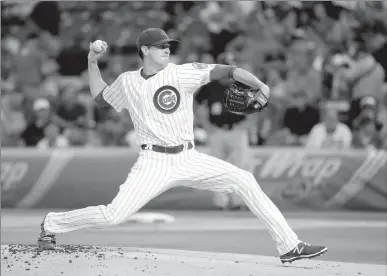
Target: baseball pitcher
159, 97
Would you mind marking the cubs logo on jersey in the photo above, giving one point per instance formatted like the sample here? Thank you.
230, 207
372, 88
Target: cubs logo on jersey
167, 99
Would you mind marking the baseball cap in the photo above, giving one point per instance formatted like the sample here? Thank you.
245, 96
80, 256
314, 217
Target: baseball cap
368, 101
152, 37
41, 104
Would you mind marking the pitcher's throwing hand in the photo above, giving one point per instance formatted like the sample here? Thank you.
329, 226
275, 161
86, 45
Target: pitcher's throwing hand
96, 50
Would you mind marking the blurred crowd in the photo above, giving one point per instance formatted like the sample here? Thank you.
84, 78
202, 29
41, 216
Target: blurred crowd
324, 61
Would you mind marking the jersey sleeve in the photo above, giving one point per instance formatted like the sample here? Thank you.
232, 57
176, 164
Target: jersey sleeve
115, 94
194, 75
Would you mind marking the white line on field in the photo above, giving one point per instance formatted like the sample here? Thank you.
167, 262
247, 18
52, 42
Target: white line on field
230, 225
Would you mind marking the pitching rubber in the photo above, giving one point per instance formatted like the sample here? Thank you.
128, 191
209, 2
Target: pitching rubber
88, 260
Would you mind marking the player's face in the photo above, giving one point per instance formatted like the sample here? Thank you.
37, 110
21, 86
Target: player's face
160, 53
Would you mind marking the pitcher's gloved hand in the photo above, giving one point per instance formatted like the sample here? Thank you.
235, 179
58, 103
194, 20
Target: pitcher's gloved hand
241, 99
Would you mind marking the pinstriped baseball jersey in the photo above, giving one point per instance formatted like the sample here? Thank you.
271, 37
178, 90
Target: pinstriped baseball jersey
161, 107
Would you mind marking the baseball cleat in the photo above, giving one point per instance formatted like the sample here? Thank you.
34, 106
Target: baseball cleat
303, 251
46, 241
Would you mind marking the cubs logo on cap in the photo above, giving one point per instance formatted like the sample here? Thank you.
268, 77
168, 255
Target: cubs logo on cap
167, 99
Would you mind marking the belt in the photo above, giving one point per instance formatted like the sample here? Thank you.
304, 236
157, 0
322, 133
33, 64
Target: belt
171, 150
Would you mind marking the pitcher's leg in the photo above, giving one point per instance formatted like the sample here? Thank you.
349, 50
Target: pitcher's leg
216, 175
144, 182
262, 206
289, 246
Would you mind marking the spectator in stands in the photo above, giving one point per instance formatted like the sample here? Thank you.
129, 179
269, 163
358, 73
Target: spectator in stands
72, 116
13, 121
366, 135
276, 83
330, 133
46, 15
71, 59
196, 44
301, 90
382, 117
258, 32
367, 109
35, 61
41, 117
29, 62
364, 75
70, 111
114, 129
52, 138
302, 75
378, 45
254, 45
270, 121
299, 119
9, 50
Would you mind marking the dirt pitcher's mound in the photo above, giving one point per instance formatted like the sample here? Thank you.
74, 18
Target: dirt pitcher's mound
75, 260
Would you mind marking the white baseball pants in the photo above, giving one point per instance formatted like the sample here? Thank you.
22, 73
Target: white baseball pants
153, 173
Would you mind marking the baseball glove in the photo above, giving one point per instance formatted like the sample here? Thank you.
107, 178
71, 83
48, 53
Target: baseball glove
241, 99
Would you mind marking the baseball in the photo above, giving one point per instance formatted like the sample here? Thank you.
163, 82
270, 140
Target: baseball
97, 45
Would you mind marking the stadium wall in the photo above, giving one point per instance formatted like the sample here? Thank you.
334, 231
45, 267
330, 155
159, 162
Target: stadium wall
293, 178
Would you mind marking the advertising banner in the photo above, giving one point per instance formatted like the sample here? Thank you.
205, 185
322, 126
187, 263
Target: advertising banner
291, 177
323, 179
